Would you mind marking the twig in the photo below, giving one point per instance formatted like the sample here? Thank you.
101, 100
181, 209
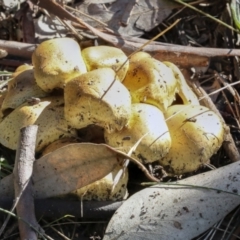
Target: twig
22, 173
128, 45
20, 49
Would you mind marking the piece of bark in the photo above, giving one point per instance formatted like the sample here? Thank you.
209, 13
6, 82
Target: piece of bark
18, 49
22, 172
12, 63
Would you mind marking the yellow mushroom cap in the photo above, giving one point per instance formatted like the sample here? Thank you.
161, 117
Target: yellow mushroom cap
150, 81
22, 87
48, 114
196, 133
22, 68
106, 56
56, 61
147, 124
184, 91
139, 55
97, 97
103, 190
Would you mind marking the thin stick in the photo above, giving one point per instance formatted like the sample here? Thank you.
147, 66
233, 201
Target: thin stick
22, 173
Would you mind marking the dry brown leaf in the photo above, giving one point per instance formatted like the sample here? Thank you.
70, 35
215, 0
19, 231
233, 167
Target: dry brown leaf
67, 169
128, 17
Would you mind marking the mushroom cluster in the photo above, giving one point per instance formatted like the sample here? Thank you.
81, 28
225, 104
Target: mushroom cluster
131, 99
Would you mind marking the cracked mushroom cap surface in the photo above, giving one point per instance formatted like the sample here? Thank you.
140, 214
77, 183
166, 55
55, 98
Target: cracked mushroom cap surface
55, 61
97, 97
48, 114
106, 56
150, 81
147, 125
197, 133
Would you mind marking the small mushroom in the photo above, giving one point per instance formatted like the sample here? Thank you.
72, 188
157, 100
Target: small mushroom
56, 61
184, 91
196, 132
106, 56
147, 125
22, 87
97, 97
150, 81
22, 68
48, 114
107, 188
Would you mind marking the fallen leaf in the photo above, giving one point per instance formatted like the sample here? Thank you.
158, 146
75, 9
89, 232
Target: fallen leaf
128, 17
46, 27
177, 210
67, 169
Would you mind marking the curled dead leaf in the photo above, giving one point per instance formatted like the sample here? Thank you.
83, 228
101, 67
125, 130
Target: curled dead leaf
69, 168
